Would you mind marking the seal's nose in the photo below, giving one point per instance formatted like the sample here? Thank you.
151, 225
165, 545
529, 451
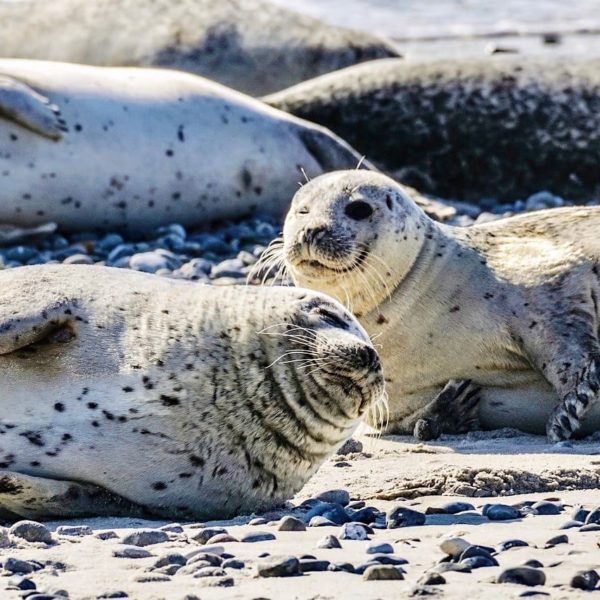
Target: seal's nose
313, 235
368, 357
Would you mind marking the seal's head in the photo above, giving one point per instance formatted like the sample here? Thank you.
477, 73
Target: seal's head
323, 347
354, 235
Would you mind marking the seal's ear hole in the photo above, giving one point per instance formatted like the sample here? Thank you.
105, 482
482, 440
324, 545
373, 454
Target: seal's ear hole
358, 210
388, 201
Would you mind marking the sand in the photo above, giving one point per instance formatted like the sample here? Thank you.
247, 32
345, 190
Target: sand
389, 471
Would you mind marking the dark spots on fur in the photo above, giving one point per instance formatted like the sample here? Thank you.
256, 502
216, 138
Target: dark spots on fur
8, 486
127, 389
180, 134
256, 484
34, 463
197, 461
258, 190
159, 485
169, 153
488, 296
92, 405
59, 407
67, 437
246, 178
168, 400
13, 137
78, 127
219, 471
381, 320
108, 415
532, 324
147, 383
95, 424
34, 437
455, 309
185, 475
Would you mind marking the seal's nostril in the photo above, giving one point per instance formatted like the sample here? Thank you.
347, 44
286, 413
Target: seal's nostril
368, 356
358, 210
314, 234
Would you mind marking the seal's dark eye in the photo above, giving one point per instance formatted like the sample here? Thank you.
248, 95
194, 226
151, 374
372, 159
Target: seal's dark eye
358, 210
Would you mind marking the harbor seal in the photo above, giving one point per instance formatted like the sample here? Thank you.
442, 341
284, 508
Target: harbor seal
482, 130
132, 149
511, 306
250, 45
122, 390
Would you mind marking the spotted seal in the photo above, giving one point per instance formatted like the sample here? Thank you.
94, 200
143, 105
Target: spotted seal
512, 305
123, 393
250, 45
499, 128
131, 149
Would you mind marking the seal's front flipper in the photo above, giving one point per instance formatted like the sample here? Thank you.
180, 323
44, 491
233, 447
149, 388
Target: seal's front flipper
37, 322
28, 497
24, 106
453, 410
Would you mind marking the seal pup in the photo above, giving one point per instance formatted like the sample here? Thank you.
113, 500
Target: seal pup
250, 45
124, 393
498, 128
132, 149
512, 305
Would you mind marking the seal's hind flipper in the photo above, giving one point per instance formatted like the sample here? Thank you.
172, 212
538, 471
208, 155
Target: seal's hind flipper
39, 321
24, 106
27, 497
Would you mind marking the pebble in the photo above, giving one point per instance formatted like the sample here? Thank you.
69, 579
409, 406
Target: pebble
558, 539
350, 447
547, 508
222, 538
279, 567
320, 521
501, 512
508, 544
354, 531
209, 572
382, 573
233, 563
328, 542
106, 535
31, 531
74, 530
523, 576
341, 497
380, 548
16, 565
259, 536
214, 560
585, 580
309, 565
401, 516
290, 523
172, 558
204, 535
593, 517
454, 546
145, 537
130, 552
152, 578
432, 579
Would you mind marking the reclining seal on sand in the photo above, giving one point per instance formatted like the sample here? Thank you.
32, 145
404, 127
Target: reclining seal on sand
496, 128
124, 393
132, 149
250, 45
512, 305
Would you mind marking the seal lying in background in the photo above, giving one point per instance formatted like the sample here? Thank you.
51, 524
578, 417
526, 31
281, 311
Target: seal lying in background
132, 149
250, 45
495, 128
512, 305
123, 393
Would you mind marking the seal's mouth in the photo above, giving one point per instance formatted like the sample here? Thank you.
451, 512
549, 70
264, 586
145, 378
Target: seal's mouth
325, 267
